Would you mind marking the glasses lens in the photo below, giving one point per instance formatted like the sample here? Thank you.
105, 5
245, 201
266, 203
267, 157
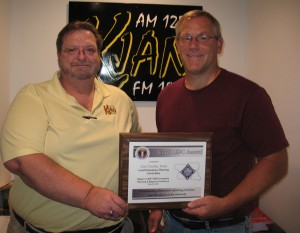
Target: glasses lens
90, 51
87, 51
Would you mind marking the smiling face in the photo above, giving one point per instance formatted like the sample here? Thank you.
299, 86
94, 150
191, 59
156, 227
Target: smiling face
77, 59
198, 57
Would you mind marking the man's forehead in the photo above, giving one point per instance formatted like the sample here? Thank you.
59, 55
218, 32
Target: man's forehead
79, 34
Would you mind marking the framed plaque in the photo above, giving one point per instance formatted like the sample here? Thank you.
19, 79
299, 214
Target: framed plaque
164, 170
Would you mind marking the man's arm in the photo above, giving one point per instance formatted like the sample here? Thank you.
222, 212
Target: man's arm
267, 172
55, 182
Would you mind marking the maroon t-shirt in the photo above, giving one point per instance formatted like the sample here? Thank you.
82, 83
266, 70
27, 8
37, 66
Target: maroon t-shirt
241, 117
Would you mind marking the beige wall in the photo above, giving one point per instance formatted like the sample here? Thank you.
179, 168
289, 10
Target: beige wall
4, 72
261, 42
273, 50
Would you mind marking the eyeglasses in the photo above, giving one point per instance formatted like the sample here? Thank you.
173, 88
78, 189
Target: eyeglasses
202, 38
90, 51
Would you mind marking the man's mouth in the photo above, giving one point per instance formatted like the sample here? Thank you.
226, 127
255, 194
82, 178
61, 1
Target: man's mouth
194, 55
81, 64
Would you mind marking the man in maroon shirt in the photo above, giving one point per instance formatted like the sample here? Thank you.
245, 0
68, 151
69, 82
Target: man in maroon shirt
248, 144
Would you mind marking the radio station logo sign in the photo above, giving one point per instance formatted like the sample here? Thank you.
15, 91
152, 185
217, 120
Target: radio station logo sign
139, 54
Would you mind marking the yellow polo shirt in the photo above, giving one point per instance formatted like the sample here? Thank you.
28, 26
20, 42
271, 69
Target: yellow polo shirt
43, 118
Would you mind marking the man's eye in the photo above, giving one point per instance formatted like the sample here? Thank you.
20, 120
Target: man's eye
90, 50
70, 50
186, 38
202, 37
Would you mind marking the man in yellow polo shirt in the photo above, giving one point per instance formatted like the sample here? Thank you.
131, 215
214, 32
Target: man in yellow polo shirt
61, 138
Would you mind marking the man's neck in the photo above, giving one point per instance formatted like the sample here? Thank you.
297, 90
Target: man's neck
82, 90
71, 85
199, 81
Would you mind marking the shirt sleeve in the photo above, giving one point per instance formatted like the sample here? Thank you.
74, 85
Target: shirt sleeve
136, 127
262, 130
24, 128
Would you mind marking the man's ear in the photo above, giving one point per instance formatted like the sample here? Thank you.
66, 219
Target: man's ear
220, 45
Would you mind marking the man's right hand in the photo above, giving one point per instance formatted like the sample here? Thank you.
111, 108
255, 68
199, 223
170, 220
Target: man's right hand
105, 204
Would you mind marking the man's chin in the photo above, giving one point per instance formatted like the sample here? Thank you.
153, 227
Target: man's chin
82, 76
194, 70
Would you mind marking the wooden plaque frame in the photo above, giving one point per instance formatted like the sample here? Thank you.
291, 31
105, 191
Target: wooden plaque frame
126, 138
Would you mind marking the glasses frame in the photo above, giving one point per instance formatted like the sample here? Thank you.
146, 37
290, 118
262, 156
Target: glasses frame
201, 38
88, 51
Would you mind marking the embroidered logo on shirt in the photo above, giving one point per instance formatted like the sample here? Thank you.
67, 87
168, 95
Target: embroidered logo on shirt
109, 109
